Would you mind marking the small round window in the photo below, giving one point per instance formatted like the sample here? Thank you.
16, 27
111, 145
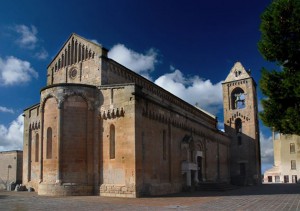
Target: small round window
73, 73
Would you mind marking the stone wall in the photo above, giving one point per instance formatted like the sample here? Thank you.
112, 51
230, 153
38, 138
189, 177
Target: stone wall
32, 146
10, 167
117, 141
161, 129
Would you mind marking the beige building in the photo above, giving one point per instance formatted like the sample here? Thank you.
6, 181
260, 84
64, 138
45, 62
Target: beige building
286, 159
10, 167
102, 129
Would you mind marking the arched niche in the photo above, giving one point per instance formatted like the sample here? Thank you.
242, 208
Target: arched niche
238, 125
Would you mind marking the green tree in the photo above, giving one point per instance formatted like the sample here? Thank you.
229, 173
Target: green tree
280, 43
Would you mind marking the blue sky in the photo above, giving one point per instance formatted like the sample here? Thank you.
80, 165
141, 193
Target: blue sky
186, 47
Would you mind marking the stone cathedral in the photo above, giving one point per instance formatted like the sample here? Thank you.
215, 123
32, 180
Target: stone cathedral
101, 129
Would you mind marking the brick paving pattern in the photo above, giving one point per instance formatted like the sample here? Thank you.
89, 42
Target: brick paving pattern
264, 197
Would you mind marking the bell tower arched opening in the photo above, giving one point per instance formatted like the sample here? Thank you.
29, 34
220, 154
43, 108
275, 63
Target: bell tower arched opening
238, 98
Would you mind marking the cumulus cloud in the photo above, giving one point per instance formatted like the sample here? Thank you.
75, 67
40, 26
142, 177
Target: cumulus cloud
142, 64
15, 71
42, 54
193, 90
28, 39
28, 36
6, 110
266, 148
11, 138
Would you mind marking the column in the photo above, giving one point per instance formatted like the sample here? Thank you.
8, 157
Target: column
59, 141
29, 155
96, 131
41, 146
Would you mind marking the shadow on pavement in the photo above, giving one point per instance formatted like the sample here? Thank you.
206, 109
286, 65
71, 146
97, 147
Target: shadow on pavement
265, 189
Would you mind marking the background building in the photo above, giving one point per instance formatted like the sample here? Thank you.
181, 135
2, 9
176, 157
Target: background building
11, 163
286, 160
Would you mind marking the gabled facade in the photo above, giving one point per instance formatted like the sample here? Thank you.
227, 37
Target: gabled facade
241, 124
102, 129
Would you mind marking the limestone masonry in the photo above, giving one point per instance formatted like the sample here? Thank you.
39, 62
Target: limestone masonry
101, 129
10, 168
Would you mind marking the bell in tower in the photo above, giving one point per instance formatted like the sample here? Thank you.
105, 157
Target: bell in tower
241, 124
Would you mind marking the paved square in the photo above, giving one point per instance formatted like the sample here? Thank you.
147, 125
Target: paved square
265, 197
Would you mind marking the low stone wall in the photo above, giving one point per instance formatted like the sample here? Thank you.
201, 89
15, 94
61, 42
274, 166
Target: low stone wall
67, 189
118, 190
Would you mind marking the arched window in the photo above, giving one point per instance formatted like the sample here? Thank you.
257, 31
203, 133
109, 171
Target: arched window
238, 125
112, 143
37, 147
49, 143
238, 98
237, 73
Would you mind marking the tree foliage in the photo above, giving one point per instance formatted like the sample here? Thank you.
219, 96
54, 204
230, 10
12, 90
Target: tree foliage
280, 43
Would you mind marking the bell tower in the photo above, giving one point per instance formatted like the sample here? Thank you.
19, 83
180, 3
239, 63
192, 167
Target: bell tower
241, 123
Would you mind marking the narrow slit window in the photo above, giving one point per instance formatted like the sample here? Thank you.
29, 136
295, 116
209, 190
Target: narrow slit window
238, 125
112, 142
49, 143
37, 147
293, 164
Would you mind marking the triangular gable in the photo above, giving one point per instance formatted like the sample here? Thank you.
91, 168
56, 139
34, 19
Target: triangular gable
76, 49
237, 72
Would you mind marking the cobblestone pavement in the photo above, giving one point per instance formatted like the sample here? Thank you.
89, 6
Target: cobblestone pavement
264, 197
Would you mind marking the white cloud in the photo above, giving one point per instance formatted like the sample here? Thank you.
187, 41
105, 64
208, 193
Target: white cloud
266, 150
42, 54
6, 110
11, 138
260, 106
28, 38
142, 64
221, 126
15, 71
193, 90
